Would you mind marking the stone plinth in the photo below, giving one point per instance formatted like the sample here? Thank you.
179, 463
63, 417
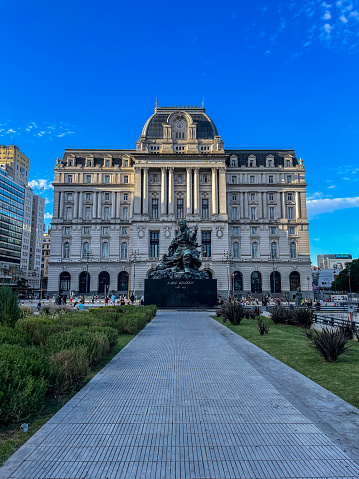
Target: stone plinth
171, 293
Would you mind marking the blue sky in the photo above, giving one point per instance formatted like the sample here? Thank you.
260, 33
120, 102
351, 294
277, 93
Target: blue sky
273, 74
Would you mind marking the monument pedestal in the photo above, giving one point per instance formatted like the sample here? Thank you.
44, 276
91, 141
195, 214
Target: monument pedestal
186, 293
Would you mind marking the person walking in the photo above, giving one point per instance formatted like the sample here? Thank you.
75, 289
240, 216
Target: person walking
132, 298
113, 299
106, 300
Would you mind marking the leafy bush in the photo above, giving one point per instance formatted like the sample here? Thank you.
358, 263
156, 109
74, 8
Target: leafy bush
26, 311
263, 326
303, 317
13, 336
10, 311
330, 343
233, 312
36, 328
280, 315
24, 375
69, 367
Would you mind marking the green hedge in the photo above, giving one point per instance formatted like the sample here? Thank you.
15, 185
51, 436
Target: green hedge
10, 335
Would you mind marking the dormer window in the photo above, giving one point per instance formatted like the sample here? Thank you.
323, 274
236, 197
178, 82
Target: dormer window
288, 163
125, 163
107, 163
88, 162
252, 161
70, 163
270, 163
233, 163
180, 129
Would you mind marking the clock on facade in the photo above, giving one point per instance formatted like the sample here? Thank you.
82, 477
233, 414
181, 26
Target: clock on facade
179, 125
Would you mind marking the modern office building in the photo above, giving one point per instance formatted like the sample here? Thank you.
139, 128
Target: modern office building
12, 156
116, 211
37, 232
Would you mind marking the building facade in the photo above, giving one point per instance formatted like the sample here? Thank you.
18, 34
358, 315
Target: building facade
116, 211
12, 156
46, 243
333, 261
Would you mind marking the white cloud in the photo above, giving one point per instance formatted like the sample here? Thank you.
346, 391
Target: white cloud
343, 19
327, 28
41, 183
355, 14
47, 216
328, 205
333, 186
11, 131
65, 133
327, 16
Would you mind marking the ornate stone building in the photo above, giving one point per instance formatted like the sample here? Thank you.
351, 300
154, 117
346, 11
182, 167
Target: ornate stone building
116, 211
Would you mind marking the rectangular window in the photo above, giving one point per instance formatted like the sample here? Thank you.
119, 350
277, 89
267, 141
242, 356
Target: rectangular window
290, 196
107, 196
289, 178
154, 178
124, 230
125, 213
252, 179
291, 230
88, 197
291, 213
271, 213
69, 213
67, 230
253, 213
233, 163
288, 163
234, 213
69, 163
107, 163
154, 208
205, 178
87, 213
205, 208
253, 197
107, 178
206, 244
270, 197
270, 163
86, 230
273, 230
234, 180
125, 197
271, 179
234, 197
179, 207
254, 230
105, 230
69, 178
154, 244
88, 179
106, 213
125, 163
69, 196
88, 163
125, 179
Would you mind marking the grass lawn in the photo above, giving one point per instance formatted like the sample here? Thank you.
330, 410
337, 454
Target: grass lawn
289, 345
12, 437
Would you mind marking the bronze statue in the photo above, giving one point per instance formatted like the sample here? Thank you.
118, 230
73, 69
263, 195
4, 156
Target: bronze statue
182, 261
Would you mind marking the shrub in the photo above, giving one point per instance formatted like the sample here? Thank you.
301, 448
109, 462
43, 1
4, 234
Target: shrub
24, 375
10, 311
263, 326
26, 311
36, 328
256, 311
303, 317
233, 311
280, 315
329, 343
13, 336
69, 367
349, 329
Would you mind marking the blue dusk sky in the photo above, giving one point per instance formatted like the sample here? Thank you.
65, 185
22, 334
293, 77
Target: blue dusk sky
273, 74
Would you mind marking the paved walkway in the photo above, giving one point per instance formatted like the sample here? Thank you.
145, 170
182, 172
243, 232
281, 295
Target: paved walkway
187, 398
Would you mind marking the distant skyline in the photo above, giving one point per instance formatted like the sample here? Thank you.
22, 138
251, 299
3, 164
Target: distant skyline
272, 74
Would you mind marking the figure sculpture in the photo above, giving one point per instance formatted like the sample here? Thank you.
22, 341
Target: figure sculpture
182, 260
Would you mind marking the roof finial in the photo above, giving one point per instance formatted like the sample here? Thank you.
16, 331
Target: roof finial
300, 161
156, 102
203, 103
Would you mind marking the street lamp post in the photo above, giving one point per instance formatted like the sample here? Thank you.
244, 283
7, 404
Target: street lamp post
133, 258
308, 287
227, 259
350, 287
87, 256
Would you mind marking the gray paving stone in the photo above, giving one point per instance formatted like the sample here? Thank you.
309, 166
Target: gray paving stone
189, 399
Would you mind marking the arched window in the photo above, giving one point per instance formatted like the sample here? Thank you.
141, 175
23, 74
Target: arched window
84, 283
85, 250
66, 250
124, 250
237, 281
122, 281
293, 250
103, 282
104, 254
235, 250
256, 282
294, 280
273, 250
275, 282
65, 281
254, 250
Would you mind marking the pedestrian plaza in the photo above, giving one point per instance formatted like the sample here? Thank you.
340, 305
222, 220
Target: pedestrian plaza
188, 398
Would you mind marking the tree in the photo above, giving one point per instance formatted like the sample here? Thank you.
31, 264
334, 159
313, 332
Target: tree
9, 307
342, 281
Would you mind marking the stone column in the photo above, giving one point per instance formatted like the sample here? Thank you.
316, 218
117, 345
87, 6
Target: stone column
222, 191
119, 205
163, 191
214, 192
137, 201
61, 201
171, 192
113, 205
283, 205
145, 191
196, 191
260, 206
189, 190
99, 212
297, 203
80, 205
76, 204
94, 204
242, 214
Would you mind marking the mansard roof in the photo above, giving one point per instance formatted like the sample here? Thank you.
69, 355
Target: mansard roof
206, 129
261, 155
